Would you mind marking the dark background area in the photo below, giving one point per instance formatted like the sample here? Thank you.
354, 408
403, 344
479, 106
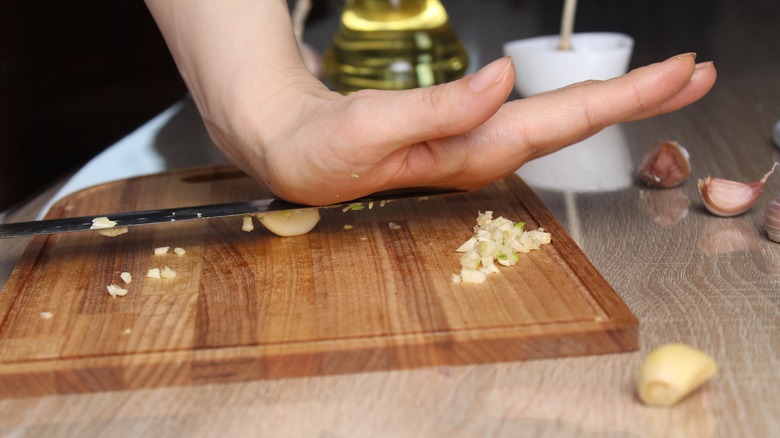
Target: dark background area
74, 77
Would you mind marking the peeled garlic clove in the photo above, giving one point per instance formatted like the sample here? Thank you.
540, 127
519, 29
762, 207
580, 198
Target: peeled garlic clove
666, 165
727, 198
673, 371
772, 220
290, 222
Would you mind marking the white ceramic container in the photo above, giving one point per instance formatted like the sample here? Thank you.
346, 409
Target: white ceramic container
541, 66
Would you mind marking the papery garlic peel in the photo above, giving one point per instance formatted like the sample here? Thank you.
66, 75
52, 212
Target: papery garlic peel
727, 198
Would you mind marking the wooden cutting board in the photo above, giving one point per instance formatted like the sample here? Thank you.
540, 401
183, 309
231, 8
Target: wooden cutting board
256, 306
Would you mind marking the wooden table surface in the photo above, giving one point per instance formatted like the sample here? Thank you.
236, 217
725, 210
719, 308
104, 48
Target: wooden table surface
688, 276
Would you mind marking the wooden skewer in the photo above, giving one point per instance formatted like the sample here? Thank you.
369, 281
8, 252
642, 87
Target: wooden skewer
567, 24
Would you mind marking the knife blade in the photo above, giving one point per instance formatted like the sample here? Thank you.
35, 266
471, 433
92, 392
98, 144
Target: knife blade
182, 214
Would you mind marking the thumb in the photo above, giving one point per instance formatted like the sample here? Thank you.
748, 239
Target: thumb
417, 115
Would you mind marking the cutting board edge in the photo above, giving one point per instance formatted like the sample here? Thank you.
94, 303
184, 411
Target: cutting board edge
252, 363
600, 290
59, 209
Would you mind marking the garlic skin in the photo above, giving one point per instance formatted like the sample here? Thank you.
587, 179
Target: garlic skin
772, 220
666, 165
728, 198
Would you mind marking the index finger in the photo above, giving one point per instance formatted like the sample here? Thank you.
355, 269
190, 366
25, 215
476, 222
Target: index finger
536, 126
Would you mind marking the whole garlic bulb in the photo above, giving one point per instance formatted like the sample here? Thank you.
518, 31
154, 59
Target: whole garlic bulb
772, 220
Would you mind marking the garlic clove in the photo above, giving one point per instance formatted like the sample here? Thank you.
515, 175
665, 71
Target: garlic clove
673, 371
727, 198
290, 222
666, 165
772, 220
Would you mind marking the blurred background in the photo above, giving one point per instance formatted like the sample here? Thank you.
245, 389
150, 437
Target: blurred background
77, 76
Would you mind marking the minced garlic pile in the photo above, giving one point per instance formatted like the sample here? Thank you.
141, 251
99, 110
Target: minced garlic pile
495, 240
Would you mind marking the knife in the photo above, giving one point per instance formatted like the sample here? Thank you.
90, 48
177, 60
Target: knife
181, 214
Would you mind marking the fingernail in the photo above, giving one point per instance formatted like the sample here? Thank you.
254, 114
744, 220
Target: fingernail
683, 55
700, 66
490, 75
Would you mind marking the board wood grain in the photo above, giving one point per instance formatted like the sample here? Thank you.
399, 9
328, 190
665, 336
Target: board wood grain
255, 306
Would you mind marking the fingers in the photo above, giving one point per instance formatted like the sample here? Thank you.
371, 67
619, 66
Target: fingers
462, 134
539, 125
413, 116
701, 82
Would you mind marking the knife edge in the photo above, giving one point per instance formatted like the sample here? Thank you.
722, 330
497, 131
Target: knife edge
172, 215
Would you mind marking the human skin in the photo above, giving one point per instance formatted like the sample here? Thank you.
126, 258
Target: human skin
307, 144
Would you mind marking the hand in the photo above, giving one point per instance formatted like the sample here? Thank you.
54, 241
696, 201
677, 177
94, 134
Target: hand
326, 148
309, 145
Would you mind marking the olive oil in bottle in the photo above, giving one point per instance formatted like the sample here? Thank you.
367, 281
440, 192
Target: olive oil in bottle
393, 45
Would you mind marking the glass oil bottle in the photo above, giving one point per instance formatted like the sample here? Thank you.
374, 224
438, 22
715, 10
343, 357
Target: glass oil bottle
393, 45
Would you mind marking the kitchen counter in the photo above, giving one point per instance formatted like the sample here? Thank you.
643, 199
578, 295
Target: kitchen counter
688, 276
